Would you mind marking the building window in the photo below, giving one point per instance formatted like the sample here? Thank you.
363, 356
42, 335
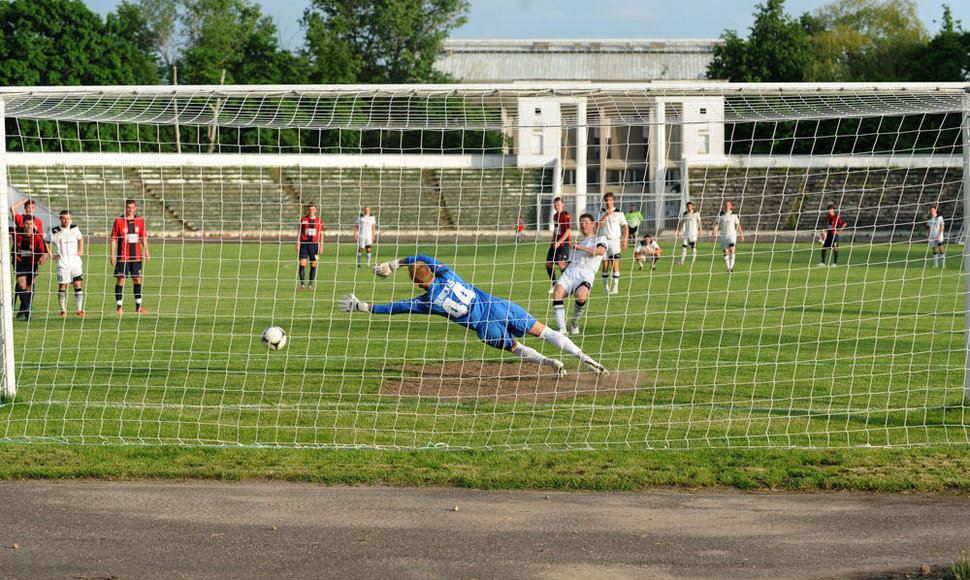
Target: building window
704, 145
569, 177
614, 176
593, 176
538, 143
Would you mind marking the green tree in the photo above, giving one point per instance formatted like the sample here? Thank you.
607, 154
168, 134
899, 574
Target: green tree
379, 41
864, 40
946, 58
62, 42
776, 50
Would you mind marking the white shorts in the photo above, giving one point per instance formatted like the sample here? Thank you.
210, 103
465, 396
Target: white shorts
573, 278
728, 242
364, 241
689, 241
937, 243
68, 270
613, 249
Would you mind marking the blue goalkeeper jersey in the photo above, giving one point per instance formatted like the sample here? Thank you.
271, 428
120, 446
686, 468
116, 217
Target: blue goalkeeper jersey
494, 320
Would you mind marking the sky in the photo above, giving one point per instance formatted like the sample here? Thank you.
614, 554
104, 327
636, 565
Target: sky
595, 18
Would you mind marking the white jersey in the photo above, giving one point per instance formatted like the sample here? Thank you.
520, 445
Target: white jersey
936, 228
584, 261
613, 227
66, 241
728, 224
366, 224
690, 225
650, 248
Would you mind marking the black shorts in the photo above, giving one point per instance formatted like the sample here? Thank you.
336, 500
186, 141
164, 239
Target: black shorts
128, 269
309, 251
831, 241
560, 254
633, 231
25, 270
612, 256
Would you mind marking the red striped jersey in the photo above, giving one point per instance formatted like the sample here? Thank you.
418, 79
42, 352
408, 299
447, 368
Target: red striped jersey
28, 248
19, 220
833, 223
129, 232
561, 222
310, 229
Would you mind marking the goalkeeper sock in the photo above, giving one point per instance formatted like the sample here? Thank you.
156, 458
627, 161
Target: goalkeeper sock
119, 294
313, 275
78, 299
532, 355
560, 341
62, 299
560, 313
302, 275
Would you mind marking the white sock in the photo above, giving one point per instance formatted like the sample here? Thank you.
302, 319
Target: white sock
683, 253
561, 342
727, 261
577, 312
606, 281
936, 260
943, 260
616, 281
79, 300
559, 310
693, 254
359, 256
62, 299
732, 260
532, 355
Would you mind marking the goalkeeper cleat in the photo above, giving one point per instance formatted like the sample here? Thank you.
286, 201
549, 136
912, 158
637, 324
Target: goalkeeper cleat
560, 368
593, 365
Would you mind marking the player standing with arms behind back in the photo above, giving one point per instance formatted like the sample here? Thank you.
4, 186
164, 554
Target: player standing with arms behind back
365, 232
129, 247
830, 235
729, 227
612, 226
689, 230
308, 244
558, 253
69, 243
935, 238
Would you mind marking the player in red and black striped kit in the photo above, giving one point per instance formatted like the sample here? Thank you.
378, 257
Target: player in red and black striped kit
129, 247
29, 252
308, 244
830, 236
558, 253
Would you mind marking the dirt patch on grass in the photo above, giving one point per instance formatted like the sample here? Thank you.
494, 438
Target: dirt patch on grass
507, 382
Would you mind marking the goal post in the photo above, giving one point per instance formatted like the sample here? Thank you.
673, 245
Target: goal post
739, 341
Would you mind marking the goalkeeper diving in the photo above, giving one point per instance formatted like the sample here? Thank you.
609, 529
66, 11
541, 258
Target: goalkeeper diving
497, 322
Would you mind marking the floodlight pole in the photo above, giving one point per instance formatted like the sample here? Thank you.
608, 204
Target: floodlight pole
8, 377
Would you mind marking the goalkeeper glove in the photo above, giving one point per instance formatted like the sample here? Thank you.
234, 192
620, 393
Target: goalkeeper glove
386, 269
352, 304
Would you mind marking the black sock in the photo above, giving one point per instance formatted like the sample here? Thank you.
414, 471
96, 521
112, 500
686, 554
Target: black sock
552, 273
835, 256
25, 299
823, 256
119, 294
313, 274
137, 289
302, 275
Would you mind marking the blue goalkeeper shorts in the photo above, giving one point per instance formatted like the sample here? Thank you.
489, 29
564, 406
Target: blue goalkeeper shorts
503, 321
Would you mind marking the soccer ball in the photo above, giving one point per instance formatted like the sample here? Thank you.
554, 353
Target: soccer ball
274, 338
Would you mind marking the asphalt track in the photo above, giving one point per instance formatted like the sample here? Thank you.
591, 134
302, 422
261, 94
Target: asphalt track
88, 530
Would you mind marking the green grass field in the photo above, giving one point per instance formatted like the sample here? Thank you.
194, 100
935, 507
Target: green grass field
779, 354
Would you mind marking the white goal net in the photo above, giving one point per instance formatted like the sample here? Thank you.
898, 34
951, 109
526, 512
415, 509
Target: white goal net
829, 310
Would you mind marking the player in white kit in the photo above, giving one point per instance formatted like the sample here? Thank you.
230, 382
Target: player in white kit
647, 248
365, 232
579, 275
936, 240
69, 244
612, 225
729, 227
689, 230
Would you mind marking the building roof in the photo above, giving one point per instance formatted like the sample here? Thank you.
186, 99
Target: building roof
610, 60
